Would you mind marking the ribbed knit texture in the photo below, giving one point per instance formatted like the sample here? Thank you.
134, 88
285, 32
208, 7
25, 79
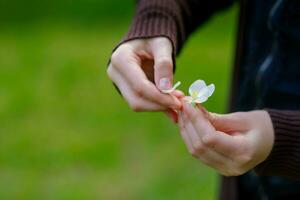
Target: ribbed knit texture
284, 159
156, 18
174, 19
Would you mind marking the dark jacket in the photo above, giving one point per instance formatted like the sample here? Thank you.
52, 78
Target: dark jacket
266, 75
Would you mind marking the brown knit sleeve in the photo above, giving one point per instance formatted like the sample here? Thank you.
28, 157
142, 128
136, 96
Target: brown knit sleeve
284, 159
174, 19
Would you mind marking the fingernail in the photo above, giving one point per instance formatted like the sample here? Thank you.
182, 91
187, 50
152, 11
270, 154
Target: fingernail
165, 83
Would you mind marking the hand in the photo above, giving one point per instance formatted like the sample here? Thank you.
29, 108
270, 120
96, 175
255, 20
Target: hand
140, 68
232, 143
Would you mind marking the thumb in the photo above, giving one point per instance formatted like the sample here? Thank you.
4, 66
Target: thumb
228, 123
163, 64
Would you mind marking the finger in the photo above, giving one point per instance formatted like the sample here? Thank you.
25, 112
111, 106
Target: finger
228, 123
184, 134
177, 93
215, 160
217, 140
151, 93
172, 114
225, 144
193, 135
141, 86
206, 154
163, 63
136, 103
198, 120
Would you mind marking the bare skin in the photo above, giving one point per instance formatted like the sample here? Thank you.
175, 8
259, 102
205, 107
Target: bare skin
141, 68
232, 143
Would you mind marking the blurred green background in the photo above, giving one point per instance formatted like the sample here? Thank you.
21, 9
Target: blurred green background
65, 133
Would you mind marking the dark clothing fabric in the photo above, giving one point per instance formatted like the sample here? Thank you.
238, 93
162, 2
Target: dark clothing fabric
174, 19
266, 76
270, 65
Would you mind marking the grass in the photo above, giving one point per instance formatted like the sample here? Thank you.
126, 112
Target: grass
65, 133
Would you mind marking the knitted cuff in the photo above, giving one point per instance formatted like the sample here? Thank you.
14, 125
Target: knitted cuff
284, 159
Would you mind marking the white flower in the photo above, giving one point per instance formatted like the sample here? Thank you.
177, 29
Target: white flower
168, 91
199, 92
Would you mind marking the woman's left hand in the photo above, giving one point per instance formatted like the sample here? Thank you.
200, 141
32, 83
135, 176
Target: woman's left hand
231, 143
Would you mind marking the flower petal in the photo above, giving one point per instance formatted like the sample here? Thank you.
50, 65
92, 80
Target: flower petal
197, 86
201, 99
206, 92
211, 89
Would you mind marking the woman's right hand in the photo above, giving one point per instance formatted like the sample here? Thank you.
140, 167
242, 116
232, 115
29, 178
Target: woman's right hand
231, 143
140, 68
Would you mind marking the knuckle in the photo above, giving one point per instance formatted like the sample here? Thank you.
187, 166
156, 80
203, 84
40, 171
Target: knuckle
115, 58
164, 62
120, 55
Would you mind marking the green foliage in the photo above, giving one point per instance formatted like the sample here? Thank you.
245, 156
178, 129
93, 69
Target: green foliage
65, 133
87, 11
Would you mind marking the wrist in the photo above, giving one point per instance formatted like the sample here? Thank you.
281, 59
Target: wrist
267, 130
